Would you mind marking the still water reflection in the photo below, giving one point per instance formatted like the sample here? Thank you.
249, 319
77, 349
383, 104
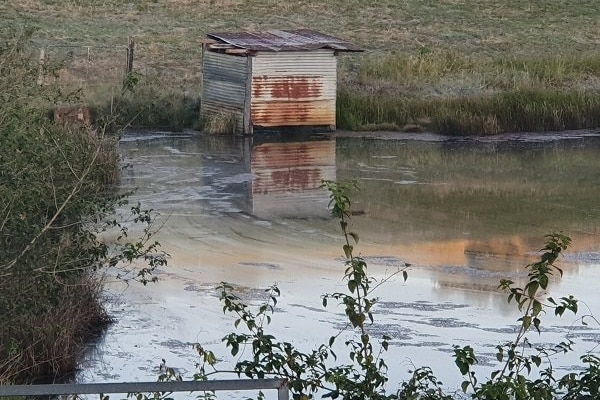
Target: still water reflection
464, 213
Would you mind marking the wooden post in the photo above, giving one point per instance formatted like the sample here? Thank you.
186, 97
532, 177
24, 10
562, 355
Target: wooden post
130, 47
41, 67
128, 60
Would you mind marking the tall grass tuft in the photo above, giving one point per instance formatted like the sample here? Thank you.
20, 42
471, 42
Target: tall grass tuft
425, 66
220, 123
437, 68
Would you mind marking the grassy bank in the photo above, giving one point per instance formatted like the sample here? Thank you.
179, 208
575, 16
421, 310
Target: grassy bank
438, 57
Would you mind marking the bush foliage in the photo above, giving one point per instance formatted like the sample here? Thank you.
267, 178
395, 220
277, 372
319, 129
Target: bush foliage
57, 191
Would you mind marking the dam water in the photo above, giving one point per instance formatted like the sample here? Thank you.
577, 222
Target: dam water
458, 213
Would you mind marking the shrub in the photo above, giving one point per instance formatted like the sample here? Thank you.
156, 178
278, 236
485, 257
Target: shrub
57, 191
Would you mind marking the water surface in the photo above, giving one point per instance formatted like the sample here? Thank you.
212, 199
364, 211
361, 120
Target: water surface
464, 213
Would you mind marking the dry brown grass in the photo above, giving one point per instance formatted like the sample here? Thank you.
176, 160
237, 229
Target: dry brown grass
221, 123
48, 345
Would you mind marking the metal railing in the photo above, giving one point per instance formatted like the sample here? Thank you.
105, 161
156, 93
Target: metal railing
145, 387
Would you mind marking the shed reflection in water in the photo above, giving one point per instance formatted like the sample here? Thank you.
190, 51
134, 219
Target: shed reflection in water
287, 178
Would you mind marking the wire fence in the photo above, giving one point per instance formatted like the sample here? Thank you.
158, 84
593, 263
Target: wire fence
80, 66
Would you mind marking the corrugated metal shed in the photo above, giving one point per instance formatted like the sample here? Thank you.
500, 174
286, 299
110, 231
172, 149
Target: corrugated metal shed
272, 79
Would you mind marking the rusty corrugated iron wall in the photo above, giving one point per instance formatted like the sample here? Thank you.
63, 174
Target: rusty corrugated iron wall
293, 89
224, 81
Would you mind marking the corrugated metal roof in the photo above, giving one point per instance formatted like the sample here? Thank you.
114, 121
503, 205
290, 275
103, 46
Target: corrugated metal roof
283, 40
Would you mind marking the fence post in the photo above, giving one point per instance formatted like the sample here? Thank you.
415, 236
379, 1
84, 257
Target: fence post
41, 67
128, 60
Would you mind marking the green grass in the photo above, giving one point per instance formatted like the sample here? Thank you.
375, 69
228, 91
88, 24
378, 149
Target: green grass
150, 102
439, 69
416, 51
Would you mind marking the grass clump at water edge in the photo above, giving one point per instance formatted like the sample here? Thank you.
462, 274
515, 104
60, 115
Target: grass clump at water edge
149, 102
515, 111
219, 123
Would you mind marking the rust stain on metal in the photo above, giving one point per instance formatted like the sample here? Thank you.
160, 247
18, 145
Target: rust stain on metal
294, 179
287, 87
292, 113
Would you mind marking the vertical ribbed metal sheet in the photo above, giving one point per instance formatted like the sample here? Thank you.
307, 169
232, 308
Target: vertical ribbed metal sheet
224, 86
287, 178
293, 88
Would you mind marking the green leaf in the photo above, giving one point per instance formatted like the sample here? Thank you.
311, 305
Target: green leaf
464, 386
526, 321
354, 236
364, 339
532, 288
536, 307
352, 285
405, 275
543, 281
348, 250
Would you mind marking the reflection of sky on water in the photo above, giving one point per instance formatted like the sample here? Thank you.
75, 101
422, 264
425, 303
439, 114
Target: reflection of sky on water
229, 216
